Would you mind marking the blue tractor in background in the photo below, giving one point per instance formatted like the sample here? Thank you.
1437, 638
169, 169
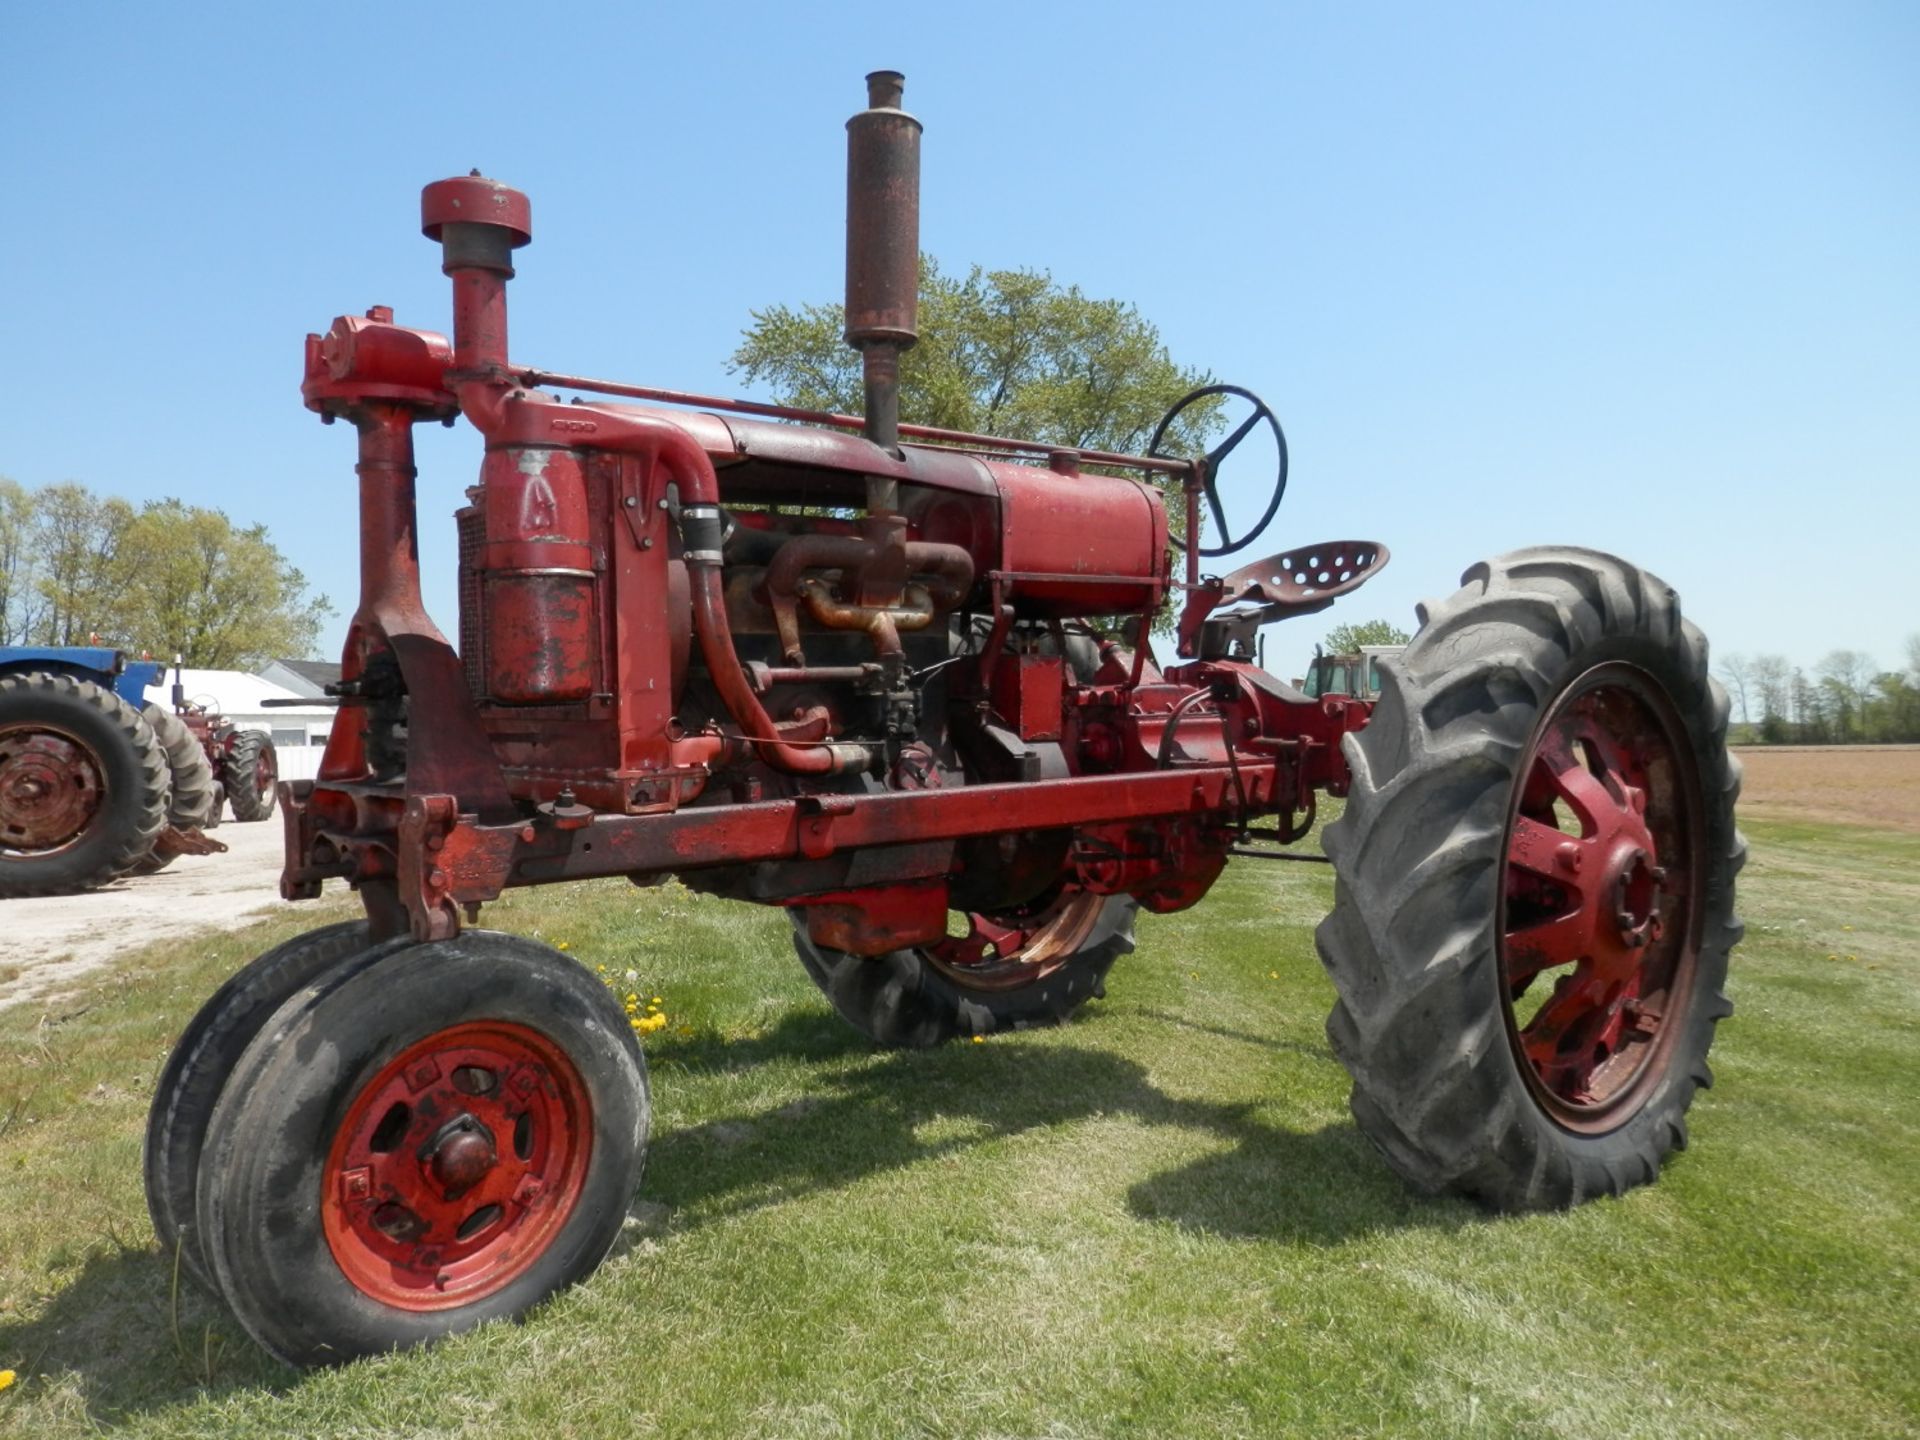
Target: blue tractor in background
96, 781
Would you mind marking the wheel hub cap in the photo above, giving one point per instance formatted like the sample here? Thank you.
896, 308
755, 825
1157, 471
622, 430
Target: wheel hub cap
456, 1165
50, 790
1598, 911
462, 1160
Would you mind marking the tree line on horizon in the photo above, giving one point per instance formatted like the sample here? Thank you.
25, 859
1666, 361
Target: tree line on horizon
163, 578
1845, 700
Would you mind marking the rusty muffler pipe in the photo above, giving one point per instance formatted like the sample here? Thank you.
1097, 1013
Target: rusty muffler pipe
883, 258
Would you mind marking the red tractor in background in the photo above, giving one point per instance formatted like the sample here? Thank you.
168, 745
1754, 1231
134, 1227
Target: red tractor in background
244, 765
901, 682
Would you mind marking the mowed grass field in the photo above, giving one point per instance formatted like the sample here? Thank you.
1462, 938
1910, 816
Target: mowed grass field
1157, 1221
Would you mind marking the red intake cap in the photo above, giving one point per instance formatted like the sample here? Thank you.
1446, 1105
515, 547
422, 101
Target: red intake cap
476, 200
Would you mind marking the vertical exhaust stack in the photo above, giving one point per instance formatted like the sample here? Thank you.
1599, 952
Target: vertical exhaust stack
883, 256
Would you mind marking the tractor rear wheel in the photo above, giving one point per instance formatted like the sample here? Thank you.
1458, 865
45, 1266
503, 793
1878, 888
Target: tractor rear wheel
83, 784
468, 1147
192, 797
197, 1069
252, 770
1534, 885
1007, 972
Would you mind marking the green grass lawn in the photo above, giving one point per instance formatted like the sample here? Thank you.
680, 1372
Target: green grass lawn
1157, 1221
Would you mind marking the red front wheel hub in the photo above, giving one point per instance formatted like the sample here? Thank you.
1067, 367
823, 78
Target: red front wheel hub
456, 1165
1599, 916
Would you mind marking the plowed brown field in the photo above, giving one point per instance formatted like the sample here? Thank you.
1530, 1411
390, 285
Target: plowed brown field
1848, 784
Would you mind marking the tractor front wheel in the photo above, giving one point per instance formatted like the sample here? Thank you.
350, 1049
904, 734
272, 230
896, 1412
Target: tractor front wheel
1534, 885
196, 1072
420, 1139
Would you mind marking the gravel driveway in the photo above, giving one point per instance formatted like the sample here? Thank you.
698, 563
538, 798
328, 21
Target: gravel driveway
51, 940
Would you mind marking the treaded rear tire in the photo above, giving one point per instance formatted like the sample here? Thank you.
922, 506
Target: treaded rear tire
902, 999
1419, 857
243, 776
133, 770
192, 796
192, 800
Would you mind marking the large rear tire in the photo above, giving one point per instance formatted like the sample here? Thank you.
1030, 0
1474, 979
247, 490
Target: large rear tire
192, 799
1535, 885
83, 784
252, 771
192, 795
1007, 973
421, 1139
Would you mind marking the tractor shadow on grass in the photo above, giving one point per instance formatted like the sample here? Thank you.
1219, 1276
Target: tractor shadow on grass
118, 1337
864, 1112
123, 1343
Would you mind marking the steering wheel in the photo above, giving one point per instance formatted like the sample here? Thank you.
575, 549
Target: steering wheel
1228, 544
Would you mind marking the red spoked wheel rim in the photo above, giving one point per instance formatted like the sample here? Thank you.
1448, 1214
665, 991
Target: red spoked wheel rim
50, 790
456, 1165
266, 772
1007, 950
1599, 917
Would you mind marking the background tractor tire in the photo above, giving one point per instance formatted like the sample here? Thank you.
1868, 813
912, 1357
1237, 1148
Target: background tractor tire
83, 784
907, 998
421, 1139
196, 1072
251, 771
1438, 943
192, 797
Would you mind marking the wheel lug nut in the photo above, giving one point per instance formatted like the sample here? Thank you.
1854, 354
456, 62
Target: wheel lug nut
1568, 856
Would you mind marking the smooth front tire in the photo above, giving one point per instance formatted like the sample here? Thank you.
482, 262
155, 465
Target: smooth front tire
421, 1140
1535, 885
197, 1069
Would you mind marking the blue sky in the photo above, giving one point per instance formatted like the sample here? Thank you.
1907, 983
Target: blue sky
1644, 277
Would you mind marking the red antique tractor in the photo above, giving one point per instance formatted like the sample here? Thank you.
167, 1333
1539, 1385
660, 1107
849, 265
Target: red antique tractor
901, 682
245, 768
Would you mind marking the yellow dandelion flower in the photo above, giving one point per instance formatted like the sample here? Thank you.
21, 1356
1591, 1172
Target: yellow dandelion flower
979, 1039
656, 999
1273, 974
1833, 957
561, 945
7, 1377
1853, 957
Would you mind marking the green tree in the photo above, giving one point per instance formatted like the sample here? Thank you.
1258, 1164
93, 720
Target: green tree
223, 596
77, 537
19, 563
1348, 639
167, 578
1001, 352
